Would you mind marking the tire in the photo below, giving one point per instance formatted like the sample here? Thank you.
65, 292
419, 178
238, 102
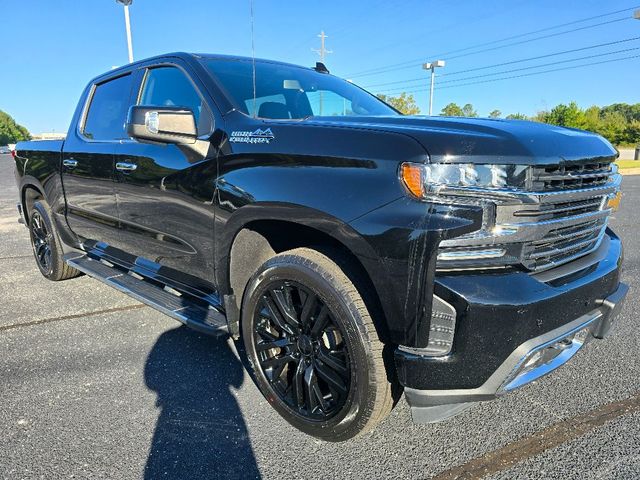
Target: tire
312, 346
46, 245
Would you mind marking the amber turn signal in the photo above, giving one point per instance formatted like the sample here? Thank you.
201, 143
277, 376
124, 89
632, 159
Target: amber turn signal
614, 202
413, 178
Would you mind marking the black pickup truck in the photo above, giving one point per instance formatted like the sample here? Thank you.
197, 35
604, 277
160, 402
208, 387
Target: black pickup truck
354, 253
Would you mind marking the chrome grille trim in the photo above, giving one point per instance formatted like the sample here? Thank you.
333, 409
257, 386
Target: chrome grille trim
571, 175
544, 229
533, 197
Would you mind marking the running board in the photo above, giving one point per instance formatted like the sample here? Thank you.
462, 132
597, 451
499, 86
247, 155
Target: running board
199, 317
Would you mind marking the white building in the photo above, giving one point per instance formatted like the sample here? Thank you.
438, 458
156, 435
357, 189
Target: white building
50, 136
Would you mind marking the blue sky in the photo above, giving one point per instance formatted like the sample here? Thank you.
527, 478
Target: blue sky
52, 48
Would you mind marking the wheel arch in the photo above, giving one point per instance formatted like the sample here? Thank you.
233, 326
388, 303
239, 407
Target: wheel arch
257, 239
29, 193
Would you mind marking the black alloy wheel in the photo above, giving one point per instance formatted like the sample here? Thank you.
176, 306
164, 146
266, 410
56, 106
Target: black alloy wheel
42, 241
312, 345
301, 350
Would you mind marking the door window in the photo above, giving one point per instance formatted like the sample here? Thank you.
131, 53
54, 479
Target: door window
327, 103
169, 87
108, 110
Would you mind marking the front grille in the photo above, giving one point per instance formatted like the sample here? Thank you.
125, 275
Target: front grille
563, 244
560, 217
570, 175
551, 211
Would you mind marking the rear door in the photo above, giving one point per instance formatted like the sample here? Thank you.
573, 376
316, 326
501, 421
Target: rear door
165, 191
88, 161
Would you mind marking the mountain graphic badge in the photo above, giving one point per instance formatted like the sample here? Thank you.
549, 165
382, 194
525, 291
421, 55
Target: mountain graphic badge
259, 135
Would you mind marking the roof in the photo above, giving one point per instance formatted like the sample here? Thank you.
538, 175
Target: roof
188, 56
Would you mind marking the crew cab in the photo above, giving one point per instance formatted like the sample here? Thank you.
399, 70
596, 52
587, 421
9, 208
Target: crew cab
354, 253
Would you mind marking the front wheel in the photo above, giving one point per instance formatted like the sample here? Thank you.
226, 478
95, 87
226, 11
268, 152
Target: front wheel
313, 347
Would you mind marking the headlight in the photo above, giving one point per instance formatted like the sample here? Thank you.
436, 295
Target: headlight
424, 179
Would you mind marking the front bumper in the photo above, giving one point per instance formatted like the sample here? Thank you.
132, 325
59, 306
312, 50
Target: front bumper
513, 329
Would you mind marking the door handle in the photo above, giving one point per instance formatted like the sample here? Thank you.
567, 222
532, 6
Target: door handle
126, 167
70, 163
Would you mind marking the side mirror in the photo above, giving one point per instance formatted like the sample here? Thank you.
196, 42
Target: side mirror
162, 124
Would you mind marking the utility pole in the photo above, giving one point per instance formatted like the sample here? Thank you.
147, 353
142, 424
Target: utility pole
127, 23
432, 66
322, 52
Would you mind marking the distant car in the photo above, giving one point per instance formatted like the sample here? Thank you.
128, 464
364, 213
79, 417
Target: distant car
5, 149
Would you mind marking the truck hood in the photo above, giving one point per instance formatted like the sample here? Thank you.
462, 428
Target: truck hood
482, 140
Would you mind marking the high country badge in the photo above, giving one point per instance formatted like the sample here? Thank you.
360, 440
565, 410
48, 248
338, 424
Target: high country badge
257, 136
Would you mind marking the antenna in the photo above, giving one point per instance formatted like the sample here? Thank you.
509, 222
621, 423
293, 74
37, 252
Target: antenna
253, 61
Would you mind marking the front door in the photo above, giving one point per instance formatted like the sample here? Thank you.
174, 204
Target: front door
88, 162
165, 192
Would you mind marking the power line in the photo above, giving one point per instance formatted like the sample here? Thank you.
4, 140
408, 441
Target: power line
560, 62
543, 37
527, 74
411, 63
542, 72
421, 79
539, 31
541, 56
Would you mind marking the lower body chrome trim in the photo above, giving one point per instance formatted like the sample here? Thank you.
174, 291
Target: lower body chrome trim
509, 376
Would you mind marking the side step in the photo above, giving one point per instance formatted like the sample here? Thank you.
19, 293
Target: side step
199, 317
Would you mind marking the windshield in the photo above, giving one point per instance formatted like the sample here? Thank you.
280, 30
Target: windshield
284, 91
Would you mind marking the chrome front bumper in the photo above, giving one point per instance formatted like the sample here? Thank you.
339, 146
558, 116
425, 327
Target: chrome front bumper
530, 361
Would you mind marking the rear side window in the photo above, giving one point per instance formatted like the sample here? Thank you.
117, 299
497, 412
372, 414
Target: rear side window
170, 87
108, 110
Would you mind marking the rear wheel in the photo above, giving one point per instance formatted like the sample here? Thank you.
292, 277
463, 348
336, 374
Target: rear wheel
313, 348
47, 249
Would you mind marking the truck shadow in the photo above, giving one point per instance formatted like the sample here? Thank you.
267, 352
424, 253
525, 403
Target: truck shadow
200, 431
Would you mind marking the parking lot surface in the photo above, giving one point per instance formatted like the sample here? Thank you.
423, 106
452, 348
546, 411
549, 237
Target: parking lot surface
95, 385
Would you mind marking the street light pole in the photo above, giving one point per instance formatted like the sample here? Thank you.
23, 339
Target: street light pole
432, 66
127, 22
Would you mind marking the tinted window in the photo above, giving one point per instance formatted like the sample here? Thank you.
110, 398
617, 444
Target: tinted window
169, 87
108, 110
293, 92
327, 103
269, 100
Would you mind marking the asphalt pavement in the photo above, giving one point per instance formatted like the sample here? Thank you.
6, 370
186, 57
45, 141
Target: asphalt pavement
95, 385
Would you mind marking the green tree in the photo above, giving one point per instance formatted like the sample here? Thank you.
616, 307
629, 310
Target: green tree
517, 116
10, 131
566, 116
632, 132
495, 114
404, 103
592, 118
452, 110
612, 126
630, 112
540, 116
468, 111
